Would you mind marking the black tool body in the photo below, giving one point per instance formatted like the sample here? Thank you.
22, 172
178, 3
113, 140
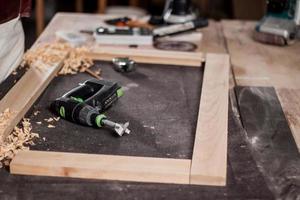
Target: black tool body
85, 103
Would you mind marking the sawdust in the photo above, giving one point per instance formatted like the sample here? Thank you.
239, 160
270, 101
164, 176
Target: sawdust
36, 113
51, 120
5, 116
50, 54
20, 139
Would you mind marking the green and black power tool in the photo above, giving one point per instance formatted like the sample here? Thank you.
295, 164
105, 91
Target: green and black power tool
86, 103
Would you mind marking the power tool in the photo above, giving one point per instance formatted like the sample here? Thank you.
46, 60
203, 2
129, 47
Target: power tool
178, 11
86, 103
279, 25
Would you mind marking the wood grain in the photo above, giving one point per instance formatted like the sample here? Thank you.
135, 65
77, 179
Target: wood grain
25, 92
209, 161
290, 102
92, 166
151, 56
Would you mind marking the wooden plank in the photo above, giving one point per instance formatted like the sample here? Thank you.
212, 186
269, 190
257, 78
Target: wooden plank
92, 166
151, 56
24, 93
209, 161
290, 102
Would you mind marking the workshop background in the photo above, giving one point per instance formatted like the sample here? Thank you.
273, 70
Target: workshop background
214, 9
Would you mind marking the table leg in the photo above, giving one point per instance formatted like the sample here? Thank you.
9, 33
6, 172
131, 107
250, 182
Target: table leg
79, 5
40, 16
102, 6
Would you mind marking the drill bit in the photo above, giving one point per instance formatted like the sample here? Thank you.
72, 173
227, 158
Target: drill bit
120, 129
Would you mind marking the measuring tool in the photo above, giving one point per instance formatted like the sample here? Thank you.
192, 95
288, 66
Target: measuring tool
86, 103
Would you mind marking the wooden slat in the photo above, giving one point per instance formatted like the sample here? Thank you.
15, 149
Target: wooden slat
290, 102
92, 166
24, 93
209, 161
149, 56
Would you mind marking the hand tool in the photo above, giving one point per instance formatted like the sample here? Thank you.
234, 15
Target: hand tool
180, 28
179, 11
86, 103
123, 64
123, 35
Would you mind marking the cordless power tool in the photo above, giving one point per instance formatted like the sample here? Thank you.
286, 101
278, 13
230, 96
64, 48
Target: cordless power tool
280, 24
86, 103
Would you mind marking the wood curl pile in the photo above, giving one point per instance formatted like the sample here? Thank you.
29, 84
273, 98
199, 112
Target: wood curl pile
50, 54
18, 140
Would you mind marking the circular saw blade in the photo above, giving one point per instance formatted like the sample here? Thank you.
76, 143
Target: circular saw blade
175, 45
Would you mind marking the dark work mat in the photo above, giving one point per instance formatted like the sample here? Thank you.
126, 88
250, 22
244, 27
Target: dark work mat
161, 104
270, 140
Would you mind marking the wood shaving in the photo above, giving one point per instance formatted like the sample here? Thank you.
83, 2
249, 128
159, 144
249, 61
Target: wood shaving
56, 118
49, 120
45, 55
78, 61
52, 53
5, 116
36, 113
39, 122
51, 126
20, 139
98, 72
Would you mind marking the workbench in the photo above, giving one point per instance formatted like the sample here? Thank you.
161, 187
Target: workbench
263, 126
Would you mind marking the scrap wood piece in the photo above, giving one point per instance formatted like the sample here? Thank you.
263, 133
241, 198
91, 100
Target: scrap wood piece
148, 56
209, 161
109, 167
18, 140
24, 93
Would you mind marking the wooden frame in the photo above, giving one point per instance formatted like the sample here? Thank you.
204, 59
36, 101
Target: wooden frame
207, 166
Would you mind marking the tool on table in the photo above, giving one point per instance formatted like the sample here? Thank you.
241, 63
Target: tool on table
86, 103
123, 64
176, 11
175, 45
180, 28
179, 11
279, 25
123, 35
126, 21
72, 37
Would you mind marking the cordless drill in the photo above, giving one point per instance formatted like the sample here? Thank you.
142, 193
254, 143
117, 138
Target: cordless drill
86, 103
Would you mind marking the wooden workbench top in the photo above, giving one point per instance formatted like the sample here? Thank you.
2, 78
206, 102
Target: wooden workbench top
253, 64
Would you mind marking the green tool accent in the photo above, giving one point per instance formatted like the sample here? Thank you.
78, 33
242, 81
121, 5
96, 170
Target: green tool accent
120, 92
62, 111
99, 119
78, 99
